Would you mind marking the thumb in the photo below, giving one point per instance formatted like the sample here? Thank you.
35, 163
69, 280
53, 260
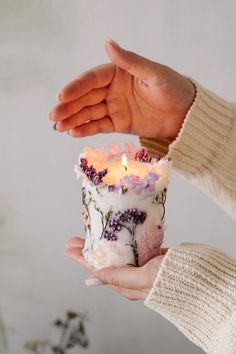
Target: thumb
135, 64
125, 277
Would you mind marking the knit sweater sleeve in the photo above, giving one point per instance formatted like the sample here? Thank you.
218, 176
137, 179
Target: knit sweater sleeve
196, 285
196, 290
204, 151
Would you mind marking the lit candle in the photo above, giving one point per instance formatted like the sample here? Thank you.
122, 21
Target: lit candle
124, 162
124, 194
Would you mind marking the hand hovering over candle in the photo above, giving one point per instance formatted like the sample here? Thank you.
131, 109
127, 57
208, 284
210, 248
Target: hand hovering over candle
134, 283
129, 95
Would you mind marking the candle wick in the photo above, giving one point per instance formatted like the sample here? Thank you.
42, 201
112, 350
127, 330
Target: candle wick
125, 167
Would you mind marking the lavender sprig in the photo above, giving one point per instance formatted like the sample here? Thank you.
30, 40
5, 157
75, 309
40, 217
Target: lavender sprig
143, 155
128, 219
91, 172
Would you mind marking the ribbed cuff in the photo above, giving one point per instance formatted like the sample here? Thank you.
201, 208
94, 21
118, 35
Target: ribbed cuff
196, 290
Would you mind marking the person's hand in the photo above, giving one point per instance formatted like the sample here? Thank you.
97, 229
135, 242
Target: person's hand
132, 282
130, 95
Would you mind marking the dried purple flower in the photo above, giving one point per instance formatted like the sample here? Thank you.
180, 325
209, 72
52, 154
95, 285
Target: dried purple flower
90, 171
143, 155
111, 187
144, 186
128, 219
158, 157
110, 236
95, 179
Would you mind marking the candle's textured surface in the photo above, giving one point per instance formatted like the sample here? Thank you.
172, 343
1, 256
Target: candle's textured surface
123, 204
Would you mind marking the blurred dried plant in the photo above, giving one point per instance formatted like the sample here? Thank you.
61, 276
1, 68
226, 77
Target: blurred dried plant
72, 334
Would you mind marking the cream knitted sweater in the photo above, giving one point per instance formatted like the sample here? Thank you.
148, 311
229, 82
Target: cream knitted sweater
196, 285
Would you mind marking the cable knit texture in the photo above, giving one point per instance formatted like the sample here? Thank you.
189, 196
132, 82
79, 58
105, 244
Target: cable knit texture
196, 285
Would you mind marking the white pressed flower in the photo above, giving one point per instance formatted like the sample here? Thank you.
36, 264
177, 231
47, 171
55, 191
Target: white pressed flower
107, 253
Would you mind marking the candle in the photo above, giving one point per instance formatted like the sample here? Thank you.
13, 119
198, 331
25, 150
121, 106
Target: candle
123, 194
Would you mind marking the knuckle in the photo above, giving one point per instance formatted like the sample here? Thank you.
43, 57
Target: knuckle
114, 282
110, 278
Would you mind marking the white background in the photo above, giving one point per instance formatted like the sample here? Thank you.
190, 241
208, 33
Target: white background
44, 44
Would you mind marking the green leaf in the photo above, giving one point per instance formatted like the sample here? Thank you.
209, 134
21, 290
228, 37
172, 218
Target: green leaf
108, 215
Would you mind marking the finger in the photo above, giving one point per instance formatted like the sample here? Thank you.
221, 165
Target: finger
133, 63
103, 125
76, 255
65, 110
100, 76
87, 114
125, 277
130, 294
75, 242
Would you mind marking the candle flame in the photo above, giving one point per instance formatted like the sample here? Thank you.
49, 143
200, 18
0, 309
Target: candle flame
124, 161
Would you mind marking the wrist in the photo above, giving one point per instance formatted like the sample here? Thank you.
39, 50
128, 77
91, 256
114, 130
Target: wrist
189, 92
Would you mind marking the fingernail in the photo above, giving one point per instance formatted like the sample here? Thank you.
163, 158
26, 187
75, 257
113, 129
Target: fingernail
114, 43
58, 97
94, 282
50, 115
67, 245
55, 126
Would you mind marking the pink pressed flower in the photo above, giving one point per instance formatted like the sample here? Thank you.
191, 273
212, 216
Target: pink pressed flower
108, 152
130, 150
114, 149
149, 242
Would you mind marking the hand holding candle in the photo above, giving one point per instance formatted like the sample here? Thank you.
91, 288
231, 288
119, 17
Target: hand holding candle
134, 283
124, 195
